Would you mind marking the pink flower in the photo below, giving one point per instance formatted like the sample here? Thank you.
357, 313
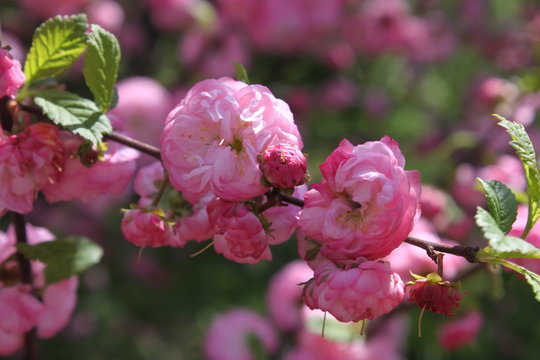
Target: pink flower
48, 8
29, 161
108, 14
19, 311
59, 300
434, 294
367, 203
228, 336
460, 331
11, 76
109, 176
354, 294
145, 228
284, 165
239, 234
284, 295
213, 137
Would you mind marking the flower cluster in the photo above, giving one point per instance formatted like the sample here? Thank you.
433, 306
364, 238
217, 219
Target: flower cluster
219, 149
363, 210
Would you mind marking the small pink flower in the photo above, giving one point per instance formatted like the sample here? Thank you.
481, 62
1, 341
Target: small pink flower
284, 295
213, 137
434, 294
145, 228
354, 294
284, 165
11, 75
228, 336
461, 331
196, 226
239, 234
367, 203
29, 161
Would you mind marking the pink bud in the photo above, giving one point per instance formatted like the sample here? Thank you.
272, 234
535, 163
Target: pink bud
284, 165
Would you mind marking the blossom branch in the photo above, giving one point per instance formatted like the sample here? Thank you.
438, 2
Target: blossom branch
19, 222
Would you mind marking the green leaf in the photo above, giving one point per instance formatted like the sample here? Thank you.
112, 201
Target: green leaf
80, 116
501, 203
56, 44
532, 278
63, 257
241, 72
525, 150
500, 245
101, 64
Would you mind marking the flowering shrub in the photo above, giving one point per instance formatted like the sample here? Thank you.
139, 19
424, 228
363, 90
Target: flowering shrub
226, 167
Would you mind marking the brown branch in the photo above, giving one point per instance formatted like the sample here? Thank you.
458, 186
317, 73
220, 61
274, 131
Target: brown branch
136, 144
467, 252
30, 338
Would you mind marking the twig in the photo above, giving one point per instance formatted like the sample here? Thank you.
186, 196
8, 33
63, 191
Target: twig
467, 252
136, 144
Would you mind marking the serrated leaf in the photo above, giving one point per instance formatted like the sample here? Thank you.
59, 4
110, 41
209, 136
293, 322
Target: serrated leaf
532, 278
101, 64
241, 72
79, 115
56, 44
525, 150
65, 257
501, 202
500, 245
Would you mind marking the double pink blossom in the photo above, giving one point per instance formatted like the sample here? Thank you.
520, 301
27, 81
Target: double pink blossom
363, 292
29, 161
11, 75
212, 138
367, 203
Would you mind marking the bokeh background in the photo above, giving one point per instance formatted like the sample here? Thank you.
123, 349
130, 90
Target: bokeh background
427, 72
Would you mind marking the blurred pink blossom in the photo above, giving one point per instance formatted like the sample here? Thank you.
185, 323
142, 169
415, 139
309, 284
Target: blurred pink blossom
106, 13
228, 336
460, 332
11, 75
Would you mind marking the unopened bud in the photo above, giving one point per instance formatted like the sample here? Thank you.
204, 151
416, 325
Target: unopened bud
284, 165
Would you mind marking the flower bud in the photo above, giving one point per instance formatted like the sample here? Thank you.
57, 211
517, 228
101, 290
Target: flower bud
284, 165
